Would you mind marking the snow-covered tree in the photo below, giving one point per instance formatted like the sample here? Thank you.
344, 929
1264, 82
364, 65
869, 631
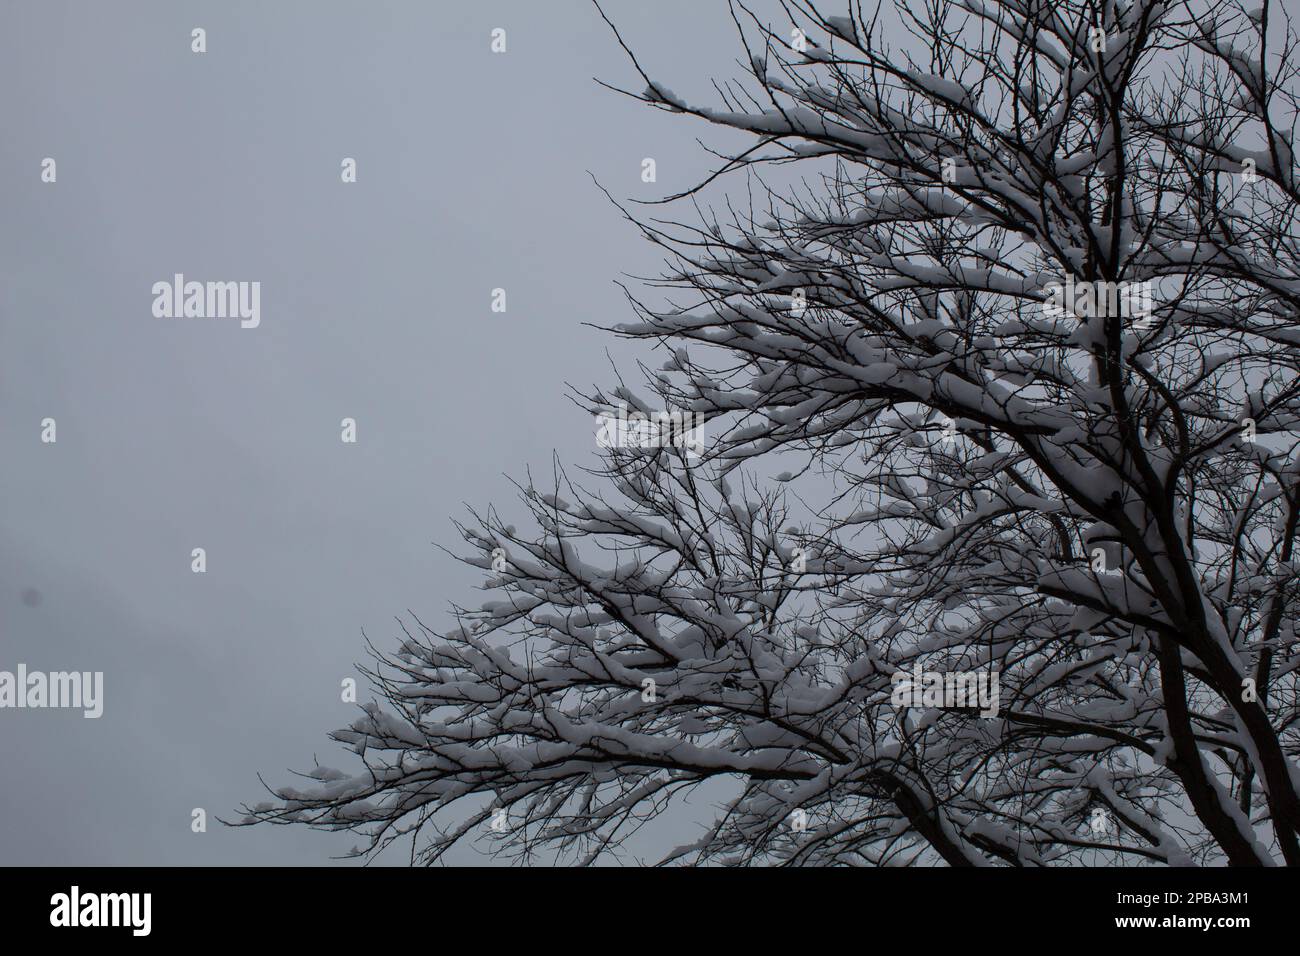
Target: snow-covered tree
995, 335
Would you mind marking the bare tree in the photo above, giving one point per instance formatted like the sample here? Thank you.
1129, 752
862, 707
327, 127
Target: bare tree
1011, 305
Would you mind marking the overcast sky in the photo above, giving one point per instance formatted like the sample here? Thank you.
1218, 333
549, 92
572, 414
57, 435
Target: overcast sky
174, 434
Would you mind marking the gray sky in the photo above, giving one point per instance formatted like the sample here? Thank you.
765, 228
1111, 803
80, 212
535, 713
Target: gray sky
182, 433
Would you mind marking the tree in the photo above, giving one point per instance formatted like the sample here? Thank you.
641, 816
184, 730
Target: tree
1012, 305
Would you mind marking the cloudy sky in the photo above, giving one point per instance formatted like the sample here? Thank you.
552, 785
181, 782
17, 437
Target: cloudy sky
474, 172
